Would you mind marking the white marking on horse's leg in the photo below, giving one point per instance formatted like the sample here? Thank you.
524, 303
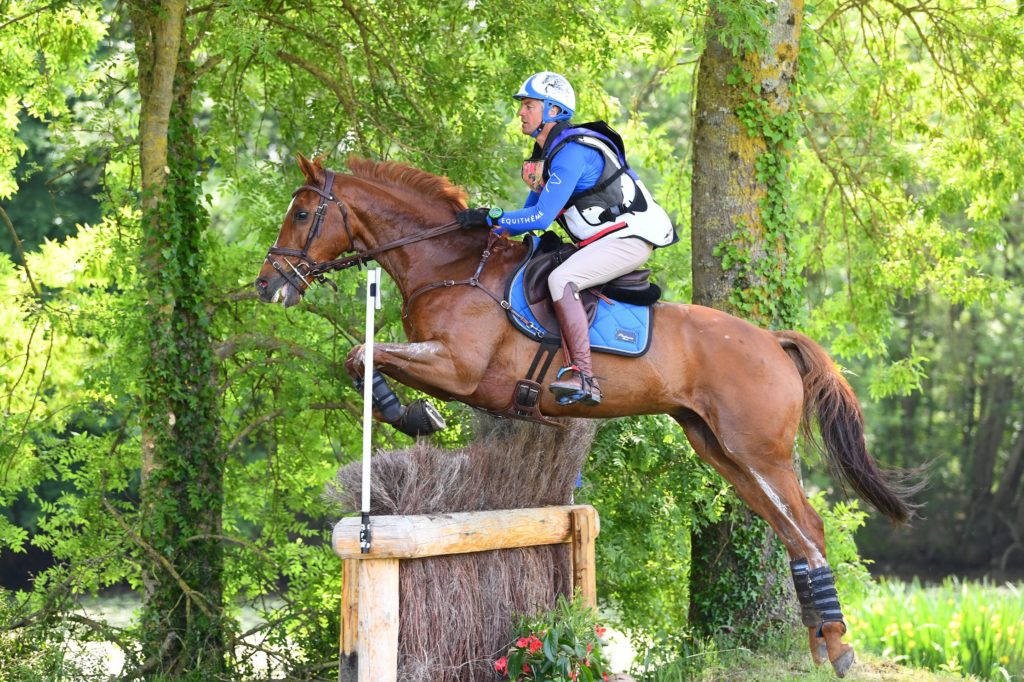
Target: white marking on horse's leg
419, 351
815, 558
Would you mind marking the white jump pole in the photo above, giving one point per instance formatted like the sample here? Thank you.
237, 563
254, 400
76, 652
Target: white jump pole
372, 304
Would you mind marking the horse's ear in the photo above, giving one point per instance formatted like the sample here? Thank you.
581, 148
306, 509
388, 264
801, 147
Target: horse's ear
310, 169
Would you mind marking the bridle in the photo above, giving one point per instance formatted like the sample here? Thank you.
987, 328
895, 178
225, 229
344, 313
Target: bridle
308, 270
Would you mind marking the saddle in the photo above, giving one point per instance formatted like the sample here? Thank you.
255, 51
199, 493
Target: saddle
634, 287
619, 329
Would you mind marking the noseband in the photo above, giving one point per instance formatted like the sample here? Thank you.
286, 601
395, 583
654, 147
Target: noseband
308, 270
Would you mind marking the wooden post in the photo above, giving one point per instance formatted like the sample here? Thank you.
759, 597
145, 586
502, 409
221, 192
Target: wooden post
378, 620
584, 573
349, 619
369, 601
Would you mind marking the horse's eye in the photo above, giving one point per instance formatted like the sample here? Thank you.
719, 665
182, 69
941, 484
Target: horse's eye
301, 215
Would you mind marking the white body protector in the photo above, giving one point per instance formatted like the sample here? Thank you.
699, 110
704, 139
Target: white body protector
619, 204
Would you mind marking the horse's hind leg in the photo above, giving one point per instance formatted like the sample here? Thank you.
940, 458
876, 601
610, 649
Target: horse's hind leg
764, 478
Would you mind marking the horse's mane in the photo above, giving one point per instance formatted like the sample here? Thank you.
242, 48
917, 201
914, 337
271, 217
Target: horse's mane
404, 176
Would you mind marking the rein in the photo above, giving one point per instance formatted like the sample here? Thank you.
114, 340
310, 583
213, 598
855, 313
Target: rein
361, 257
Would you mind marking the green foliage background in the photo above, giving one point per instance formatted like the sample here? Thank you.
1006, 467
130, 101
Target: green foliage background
908, 219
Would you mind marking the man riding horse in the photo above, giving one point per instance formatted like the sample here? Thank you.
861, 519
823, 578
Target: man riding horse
579, 177
740, 393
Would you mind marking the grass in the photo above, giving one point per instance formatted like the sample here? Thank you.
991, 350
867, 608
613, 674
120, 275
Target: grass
783, 658
901, 631
958, 626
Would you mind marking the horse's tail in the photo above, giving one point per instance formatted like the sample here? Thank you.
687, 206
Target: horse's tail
829, 397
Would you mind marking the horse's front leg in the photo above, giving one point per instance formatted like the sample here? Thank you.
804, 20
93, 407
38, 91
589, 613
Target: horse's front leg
426, 365
430, 366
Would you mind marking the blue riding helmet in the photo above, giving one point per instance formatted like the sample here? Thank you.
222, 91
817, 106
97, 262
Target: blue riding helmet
551, 88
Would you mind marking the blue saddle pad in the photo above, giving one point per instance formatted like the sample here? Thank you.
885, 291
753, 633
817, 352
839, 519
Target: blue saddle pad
618, 328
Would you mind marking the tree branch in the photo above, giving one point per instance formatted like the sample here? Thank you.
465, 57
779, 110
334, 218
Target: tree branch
317, 73
252, 426
809, 136
19, 247
37, 10
200, 601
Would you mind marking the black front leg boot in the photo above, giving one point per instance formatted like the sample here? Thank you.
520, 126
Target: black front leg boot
384, 399
419, 418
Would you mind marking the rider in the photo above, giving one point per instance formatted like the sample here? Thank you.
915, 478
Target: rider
578, 176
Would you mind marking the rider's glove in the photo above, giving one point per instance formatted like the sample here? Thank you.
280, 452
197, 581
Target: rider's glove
478, 217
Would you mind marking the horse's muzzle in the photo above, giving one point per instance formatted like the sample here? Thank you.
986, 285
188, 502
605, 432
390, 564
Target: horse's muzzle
277, 290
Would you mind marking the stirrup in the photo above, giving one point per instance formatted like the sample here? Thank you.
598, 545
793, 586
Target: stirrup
584, 394
567, 368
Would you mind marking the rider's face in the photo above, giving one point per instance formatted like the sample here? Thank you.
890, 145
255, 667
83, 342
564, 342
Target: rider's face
531, 111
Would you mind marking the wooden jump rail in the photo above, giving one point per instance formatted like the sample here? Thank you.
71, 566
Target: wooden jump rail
369, 596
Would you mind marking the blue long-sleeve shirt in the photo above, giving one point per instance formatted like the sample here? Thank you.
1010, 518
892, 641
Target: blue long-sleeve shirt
575, 168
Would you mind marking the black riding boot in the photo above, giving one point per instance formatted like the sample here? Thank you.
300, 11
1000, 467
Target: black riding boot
575, 382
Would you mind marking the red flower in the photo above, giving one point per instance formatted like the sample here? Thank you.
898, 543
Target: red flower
605, 675
535, 644
501, 664
526, 668
522, 642
572, 675
599, 631
590, 647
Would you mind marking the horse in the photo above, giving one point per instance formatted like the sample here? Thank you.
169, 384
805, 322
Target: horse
739, 392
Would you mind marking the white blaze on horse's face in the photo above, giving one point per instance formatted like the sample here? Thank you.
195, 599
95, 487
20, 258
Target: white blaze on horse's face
287, 213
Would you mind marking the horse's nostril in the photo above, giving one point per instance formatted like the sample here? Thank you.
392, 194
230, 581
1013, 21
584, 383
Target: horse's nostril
261, 283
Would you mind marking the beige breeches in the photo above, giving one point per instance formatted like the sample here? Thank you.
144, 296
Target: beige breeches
597, 263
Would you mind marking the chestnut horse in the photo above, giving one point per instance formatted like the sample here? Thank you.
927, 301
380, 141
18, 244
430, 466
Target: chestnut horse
739, 392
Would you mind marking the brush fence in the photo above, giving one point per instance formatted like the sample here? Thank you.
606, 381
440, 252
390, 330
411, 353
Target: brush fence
369, 597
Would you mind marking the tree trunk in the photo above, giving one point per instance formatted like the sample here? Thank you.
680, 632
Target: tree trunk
979, 533
740, 244
182, 468
1009, 482
997, 401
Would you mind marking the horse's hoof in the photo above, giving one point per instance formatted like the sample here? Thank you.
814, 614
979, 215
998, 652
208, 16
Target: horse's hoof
820, 653
420, 418
819, 650
844, 662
